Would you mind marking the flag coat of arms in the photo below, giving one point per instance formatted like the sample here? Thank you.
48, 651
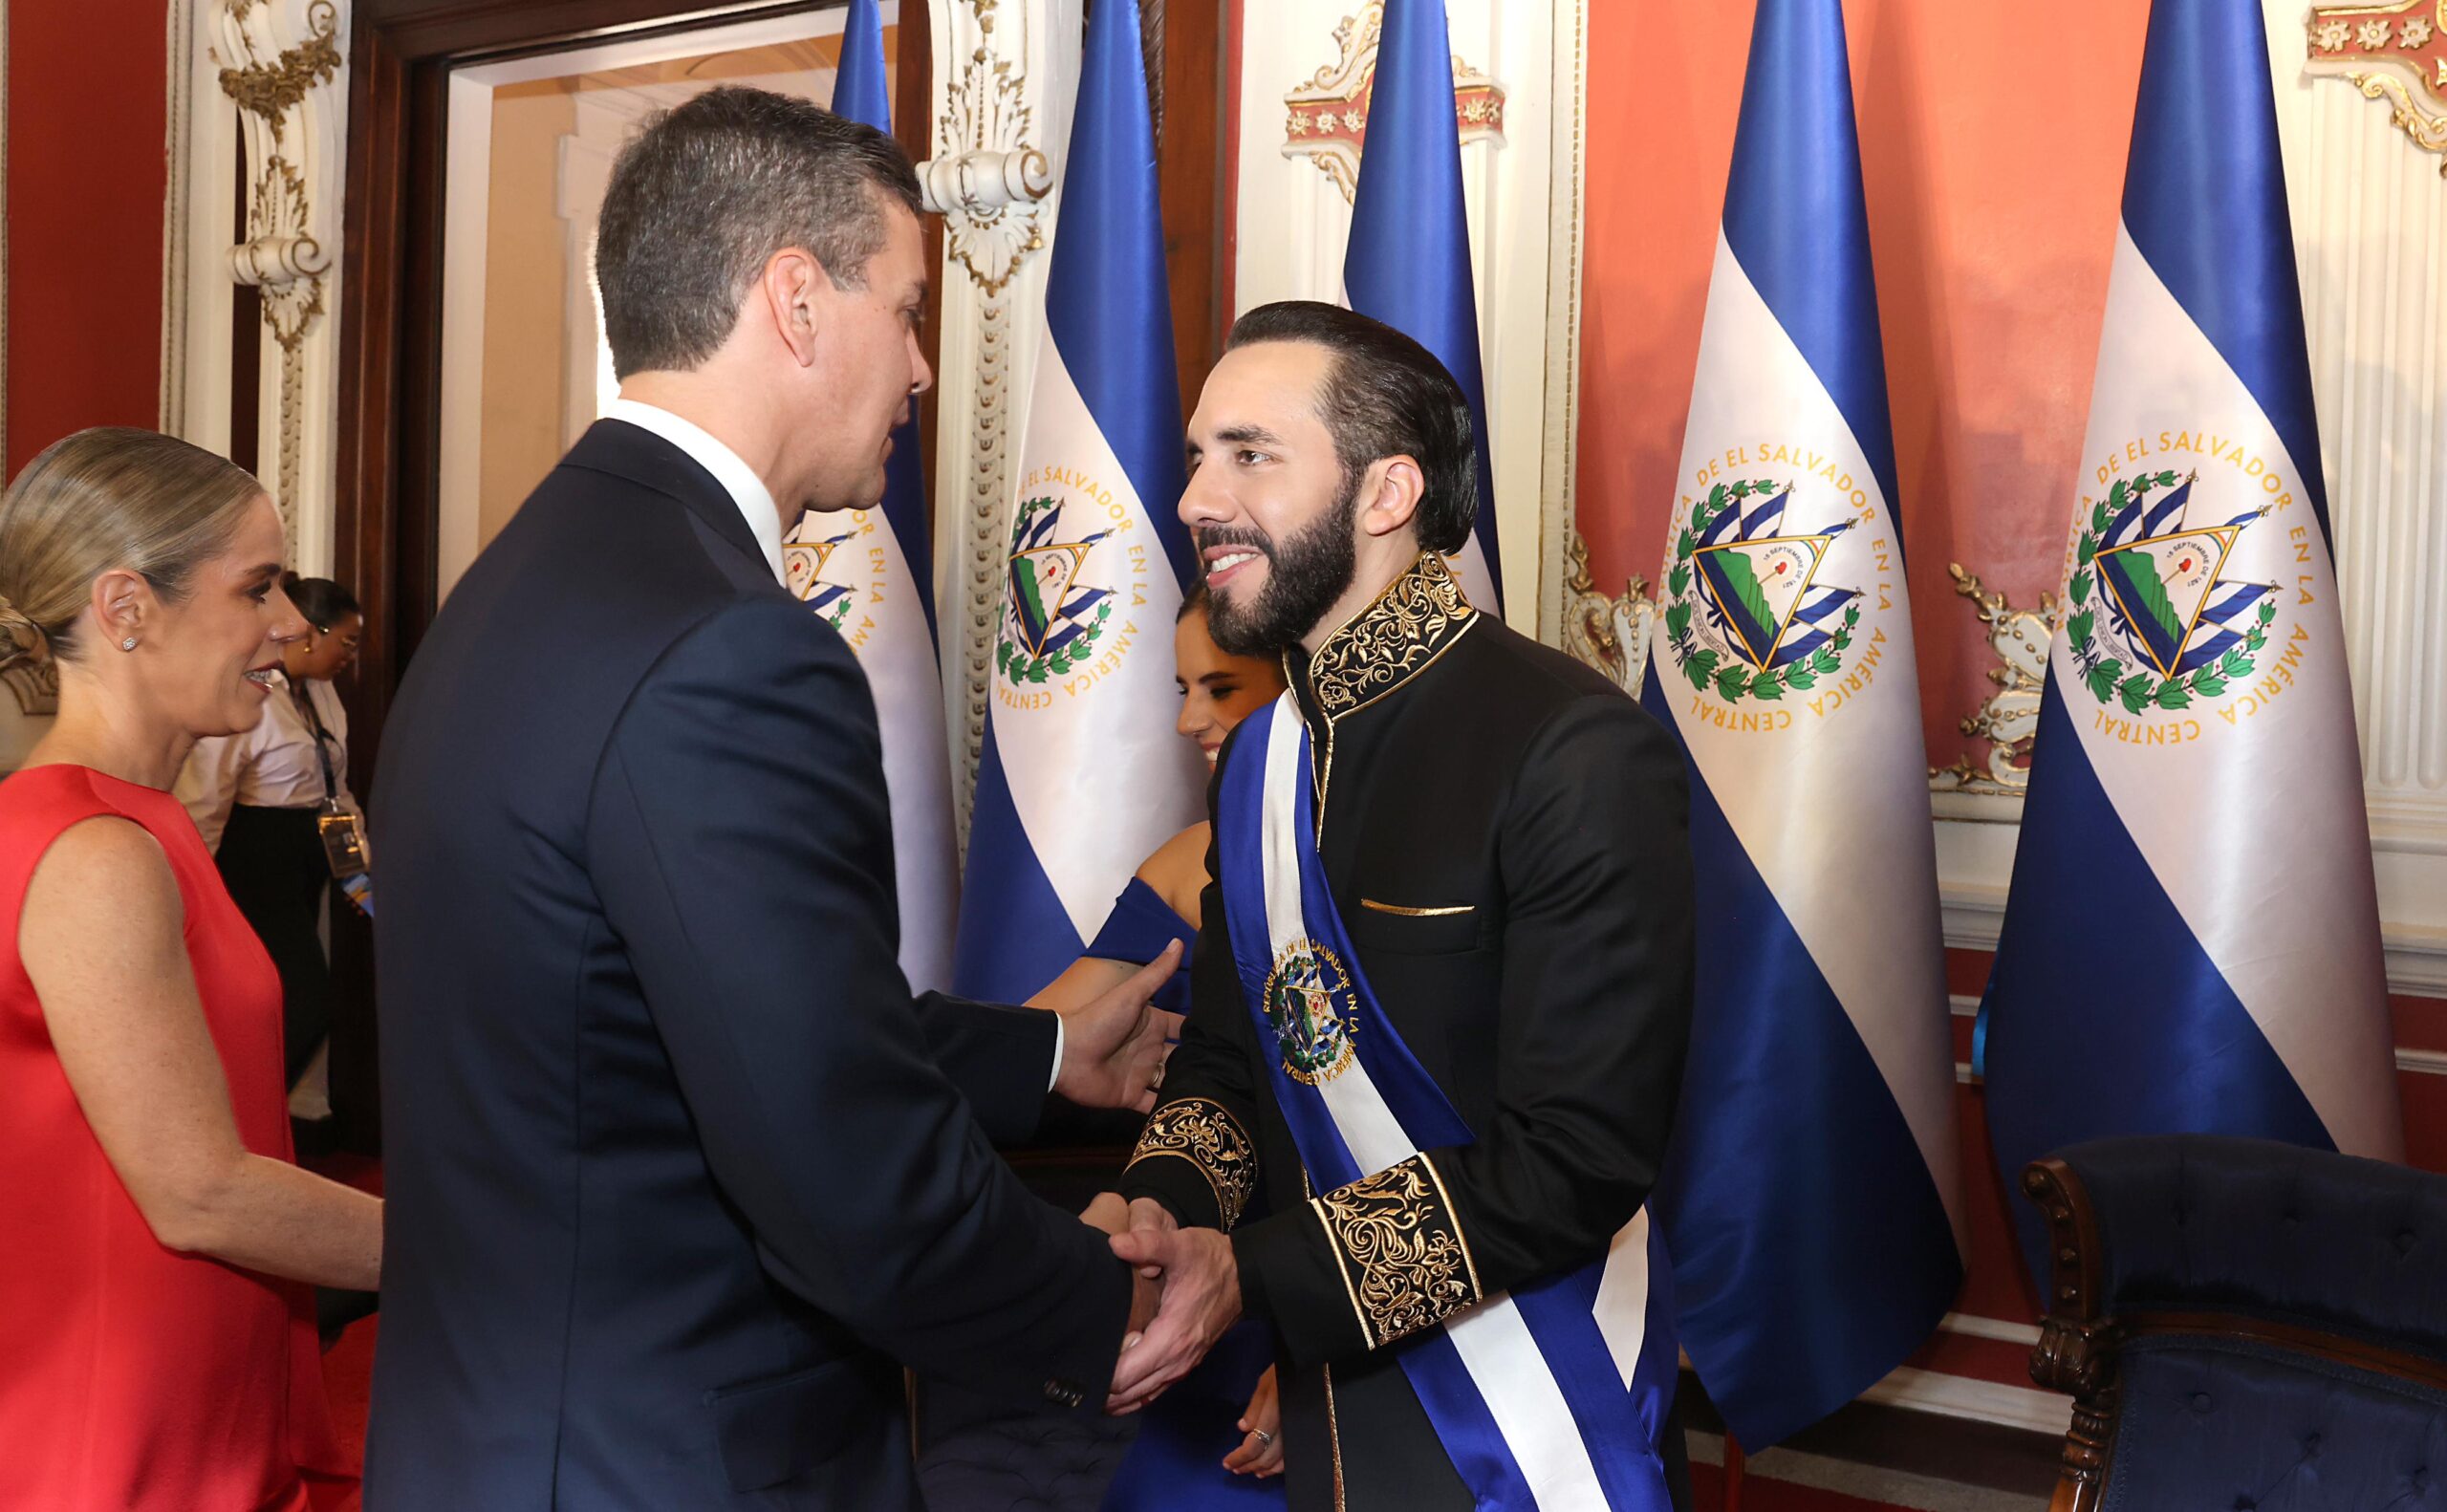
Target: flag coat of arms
1810, 1200
1408, 260
1083, 775
865, 572
2192, 940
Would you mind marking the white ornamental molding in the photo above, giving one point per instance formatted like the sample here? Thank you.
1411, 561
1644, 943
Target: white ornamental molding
2394, 52
1005, 73
1563, 575
1326, 119
1522, 183
282, 64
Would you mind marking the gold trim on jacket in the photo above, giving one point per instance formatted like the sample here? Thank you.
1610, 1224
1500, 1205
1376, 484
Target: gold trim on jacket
1204, 1134
1402, 632
1404, 1262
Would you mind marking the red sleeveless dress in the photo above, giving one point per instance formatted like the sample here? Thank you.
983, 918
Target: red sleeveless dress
134, 1378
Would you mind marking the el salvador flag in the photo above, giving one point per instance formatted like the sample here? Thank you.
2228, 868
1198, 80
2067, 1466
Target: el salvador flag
866, 572
1408, 261
1809, 1198
1083, 775
2192, 941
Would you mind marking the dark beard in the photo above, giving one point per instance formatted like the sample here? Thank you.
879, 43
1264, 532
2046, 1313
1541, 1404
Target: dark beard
1304, 577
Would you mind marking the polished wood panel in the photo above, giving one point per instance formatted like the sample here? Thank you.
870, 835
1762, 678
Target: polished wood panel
1190, 181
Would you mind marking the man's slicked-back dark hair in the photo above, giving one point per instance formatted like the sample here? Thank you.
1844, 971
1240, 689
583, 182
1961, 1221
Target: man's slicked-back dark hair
1384, 395
704, 196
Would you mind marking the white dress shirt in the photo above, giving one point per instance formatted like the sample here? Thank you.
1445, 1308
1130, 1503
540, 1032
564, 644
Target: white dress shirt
273, 765
738, 479
755, 503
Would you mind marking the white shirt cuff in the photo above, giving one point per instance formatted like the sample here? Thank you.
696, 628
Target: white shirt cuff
1057, 1055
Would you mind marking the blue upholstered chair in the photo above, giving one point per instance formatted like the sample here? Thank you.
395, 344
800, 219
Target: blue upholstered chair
2244, 1327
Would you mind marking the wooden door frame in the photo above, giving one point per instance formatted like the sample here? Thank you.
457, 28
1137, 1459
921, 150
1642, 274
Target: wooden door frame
401, 55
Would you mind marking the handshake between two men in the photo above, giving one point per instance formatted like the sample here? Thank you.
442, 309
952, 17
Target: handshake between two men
1187, 1293
1186, 1289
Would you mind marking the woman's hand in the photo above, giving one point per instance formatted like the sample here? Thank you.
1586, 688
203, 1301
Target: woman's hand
1260, 1453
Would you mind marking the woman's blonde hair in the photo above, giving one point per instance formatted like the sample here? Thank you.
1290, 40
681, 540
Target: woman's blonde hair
101, 499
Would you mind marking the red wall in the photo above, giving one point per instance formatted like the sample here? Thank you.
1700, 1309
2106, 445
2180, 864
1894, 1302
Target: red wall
1992, 144
87, 167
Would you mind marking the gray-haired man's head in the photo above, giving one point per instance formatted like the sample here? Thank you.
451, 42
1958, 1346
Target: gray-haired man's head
767, 233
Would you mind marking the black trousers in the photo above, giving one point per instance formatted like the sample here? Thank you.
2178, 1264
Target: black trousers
273, 862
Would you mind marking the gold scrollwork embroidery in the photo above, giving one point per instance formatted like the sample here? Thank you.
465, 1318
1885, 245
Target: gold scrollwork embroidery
1400, 1244
1400, 631
1210, 1138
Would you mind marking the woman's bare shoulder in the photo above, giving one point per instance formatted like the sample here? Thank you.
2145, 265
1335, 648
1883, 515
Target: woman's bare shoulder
1178, 870
105, 865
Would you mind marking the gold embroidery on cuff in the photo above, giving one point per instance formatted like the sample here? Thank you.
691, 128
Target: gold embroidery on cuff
1210, 1138
1400, 1246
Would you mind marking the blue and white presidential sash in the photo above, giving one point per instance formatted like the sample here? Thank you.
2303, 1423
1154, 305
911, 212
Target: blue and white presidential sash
1548, 1396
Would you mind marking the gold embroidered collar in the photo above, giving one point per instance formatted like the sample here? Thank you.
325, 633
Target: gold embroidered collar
1376, 650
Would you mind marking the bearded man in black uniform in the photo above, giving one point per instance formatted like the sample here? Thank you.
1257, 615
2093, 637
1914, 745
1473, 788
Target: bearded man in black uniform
1443, 988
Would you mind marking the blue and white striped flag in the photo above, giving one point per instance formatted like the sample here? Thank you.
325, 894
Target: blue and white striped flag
867, 572
1809, 1199
1408, 261
2192, 941
1083, 775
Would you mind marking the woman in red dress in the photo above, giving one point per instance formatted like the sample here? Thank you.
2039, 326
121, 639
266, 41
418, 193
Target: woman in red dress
156, 1330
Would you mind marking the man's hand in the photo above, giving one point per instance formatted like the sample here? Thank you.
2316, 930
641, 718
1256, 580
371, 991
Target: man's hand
1145, 1212
1113, 1045
1260, 1453
1108, 1213
1202, 1299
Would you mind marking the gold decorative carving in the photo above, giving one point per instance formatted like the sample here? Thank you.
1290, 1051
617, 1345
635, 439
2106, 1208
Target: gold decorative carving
1327, 117
1560, 460
293, 282
2407, 40
981, 144
1399, 1246
281, 256
2424, 128
2020, 638
1609, 634
267, 89
1206, 1136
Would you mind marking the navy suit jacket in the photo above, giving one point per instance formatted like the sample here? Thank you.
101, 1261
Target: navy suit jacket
678, 1172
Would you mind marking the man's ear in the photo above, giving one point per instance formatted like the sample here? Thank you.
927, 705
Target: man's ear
1390, 494
792, 286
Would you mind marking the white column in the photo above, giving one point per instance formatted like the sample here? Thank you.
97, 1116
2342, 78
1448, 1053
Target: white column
1522, 183
275, 72
1005, 74
2370, 223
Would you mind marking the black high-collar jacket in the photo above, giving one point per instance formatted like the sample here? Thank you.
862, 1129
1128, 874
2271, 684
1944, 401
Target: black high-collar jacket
1503, 833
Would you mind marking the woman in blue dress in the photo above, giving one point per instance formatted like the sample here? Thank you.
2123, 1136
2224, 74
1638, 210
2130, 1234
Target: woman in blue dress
1222, 1416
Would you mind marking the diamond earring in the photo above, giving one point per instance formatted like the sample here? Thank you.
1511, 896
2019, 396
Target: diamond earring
129, 644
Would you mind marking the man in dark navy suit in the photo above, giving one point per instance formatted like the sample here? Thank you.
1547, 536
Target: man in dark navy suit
679, 1175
